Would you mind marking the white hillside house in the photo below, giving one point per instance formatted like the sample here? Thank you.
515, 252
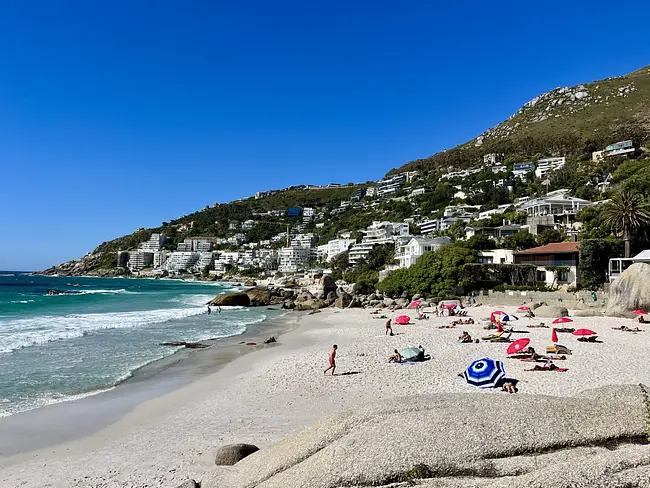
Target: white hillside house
408, 253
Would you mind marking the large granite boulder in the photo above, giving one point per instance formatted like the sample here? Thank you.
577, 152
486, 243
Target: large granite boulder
551, 312
313, 304
326, 285
596, 438
259, 297
630, 291
231, 300
343, 300
233, 453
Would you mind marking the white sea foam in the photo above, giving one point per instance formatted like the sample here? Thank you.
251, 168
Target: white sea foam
22, 301
17, 334
7, 274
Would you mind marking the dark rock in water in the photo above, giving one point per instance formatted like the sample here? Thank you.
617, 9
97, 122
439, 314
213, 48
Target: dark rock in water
251, 343
233, 453
259, 297
288, 305
270, 340
189, 484
250, 283
231, 300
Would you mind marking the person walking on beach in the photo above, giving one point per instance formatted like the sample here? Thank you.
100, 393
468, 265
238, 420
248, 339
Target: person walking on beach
209, 310
332, 365
389, 327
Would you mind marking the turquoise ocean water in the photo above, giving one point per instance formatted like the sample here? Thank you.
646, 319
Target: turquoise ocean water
70, 345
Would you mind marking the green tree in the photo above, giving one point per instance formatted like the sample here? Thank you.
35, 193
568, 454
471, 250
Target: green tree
521, 240
549, 235
627, 212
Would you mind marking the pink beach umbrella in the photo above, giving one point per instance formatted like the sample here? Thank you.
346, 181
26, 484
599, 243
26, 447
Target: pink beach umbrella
584, 332
517, 346
415, 303
524, 308
554, 335
448, 305
403, 319
562, 320
639, 312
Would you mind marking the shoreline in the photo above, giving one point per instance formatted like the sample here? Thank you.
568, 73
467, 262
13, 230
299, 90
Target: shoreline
36, 429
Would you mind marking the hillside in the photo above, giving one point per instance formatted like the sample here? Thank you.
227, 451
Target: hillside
569, 121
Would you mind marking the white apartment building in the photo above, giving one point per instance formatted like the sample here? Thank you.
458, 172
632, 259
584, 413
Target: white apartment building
333, 248
193, 244
205, 259
181, 261
376, 234
371, 191
548, 165
159, 258
420, 191
488, 213
308, 213
293, 259
499, 169
520, 170
429, 226
408, 253
154, 243
139, 259
304, 240
391, 185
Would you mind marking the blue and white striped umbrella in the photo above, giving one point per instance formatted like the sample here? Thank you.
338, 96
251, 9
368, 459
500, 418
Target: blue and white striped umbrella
508, 318
484, 373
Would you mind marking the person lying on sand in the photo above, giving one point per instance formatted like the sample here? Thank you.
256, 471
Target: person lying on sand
396, 357
627, 329
508, 387
540, 325
549, 366
465, 337
450, 326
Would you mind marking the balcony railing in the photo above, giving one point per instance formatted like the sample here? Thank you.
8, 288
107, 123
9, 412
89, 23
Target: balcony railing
556, 262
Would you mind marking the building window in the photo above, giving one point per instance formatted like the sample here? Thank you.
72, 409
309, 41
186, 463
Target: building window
541, 276
564, 276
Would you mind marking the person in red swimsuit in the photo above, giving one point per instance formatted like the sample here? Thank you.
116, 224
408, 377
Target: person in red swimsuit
332, 365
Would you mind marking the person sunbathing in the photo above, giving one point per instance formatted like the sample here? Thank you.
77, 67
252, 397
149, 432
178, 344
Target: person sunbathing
396, 357
450, 326
549, 366
628, 329
508, 387
465, 337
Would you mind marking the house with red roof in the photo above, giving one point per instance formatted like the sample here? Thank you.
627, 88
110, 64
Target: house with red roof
564, 255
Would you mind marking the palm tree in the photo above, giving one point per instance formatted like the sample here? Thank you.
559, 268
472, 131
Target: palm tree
627, 212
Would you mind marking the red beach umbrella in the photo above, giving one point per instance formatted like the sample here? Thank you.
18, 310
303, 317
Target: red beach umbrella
415, 303
517, 346
499, 328
639, 312
524, 308
584, 332
448, 305
562, 320
494, 314
554, 335
403, 319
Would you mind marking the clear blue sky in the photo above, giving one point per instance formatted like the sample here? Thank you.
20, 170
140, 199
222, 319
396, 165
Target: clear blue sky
121, 114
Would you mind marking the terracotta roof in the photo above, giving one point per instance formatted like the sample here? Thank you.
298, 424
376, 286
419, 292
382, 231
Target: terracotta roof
552, 248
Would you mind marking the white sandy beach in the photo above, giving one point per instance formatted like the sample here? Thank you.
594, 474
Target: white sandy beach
269, 394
